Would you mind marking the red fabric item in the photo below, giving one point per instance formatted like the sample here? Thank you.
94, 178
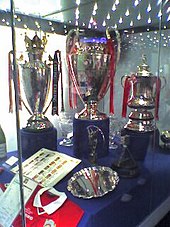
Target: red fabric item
68, 215
127, 87
2, 187
73, 84
112, 74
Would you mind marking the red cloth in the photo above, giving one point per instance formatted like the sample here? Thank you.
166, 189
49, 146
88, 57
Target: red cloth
68, 215
127, 87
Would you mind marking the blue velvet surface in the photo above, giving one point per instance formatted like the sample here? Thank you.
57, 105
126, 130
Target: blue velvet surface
147, 192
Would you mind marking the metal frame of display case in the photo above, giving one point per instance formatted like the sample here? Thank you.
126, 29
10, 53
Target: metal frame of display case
60, 29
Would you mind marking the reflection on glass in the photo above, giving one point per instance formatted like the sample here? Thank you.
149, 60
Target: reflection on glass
66, 127
115, 128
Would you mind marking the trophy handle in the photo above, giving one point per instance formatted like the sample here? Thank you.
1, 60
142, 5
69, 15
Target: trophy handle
47, 106
108, 35
165, 82
123, 78
26, 107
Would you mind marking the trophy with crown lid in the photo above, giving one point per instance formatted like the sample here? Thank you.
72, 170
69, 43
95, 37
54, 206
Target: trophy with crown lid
35, 80
36, 77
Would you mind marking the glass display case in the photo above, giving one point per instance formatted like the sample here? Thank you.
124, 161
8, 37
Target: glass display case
39, 82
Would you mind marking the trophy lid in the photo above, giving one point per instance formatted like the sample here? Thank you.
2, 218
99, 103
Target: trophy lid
143, 68
36, 44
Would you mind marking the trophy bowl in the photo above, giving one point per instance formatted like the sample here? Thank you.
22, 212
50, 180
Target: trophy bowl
91, 64
35, 78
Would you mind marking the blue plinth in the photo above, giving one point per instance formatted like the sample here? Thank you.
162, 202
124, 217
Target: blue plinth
87, 133
31, 142
140, 142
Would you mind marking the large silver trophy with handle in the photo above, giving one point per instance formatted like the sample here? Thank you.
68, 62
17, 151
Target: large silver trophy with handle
91, 61
36, 77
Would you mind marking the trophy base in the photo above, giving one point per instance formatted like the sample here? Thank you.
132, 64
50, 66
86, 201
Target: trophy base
140, 121
90, 138
141, 143
90, 112
31, 142
37, 123
126, 169
140, 126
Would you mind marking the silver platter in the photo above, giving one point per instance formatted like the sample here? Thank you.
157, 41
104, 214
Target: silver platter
93, 182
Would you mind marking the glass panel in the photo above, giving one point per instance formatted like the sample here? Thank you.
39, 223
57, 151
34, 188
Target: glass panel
140, 137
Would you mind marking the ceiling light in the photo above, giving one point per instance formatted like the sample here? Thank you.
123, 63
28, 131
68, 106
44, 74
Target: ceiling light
114, 7
131, 23
159, 2
95, 6
94, 12
136, 2
115, 26
139, 17
160, 13
77, 13
78, 2
127, 13
168, 10
91, 20
117, 2
108, 16
149, 20
104, 23
149, 8
120, 20
168, 19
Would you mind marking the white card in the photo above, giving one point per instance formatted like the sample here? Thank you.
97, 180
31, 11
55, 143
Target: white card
11, 161
10, 204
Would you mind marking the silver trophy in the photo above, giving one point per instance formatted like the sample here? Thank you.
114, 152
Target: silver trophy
141, 94
91, 63
36, 77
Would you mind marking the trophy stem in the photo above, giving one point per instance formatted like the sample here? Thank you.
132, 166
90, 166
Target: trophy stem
91, 112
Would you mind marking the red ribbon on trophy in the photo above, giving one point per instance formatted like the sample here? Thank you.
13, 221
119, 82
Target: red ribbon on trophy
112, 73
127, 87
73, 85
72, 94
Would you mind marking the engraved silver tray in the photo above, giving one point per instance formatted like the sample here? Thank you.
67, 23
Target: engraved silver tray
93, 182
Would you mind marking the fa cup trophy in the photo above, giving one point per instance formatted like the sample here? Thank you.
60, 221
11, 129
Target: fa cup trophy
141, 95
91, 64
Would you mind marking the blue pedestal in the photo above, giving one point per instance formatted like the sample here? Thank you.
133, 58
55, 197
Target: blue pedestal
139, 142
31, 142
82, 129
